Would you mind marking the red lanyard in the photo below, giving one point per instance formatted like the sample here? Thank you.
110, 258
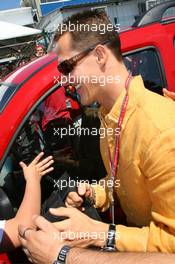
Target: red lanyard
115, 161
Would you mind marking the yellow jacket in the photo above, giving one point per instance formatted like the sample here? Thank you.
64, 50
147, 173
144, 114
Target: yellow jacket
146, 170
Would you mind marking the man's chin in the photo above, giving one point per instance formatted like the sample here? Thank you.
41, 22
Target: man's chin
85, 102
82, 102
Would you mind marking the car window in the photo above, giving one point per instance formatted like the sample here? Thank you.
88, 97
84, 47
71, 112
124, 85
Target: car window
41, 132
6, 92
147, 64
26, 146
169, 13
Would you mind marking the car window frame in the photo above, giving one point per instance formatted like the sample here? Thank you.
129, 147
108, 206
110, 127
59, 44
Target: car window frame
9, 86
158, 58
29, 113
18, 86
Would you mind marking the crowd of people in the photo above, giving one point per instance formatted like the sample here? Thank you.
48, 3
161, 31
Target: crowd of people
12, 64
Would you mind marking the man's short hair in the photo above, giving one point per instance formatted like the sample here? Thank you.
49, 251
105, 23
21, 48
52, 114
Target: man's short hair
85, 29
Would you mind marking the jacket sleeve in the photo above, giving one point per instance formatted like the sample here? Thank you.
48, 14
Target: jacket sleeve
159, 171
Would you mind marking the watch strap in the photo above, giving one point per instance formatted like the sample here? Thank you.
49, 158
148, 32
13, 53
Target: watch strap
62, 255
110, 242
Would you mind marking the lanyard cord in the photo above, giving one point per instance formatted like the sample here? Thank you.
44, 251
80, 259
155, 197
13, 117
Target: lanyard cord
115, 161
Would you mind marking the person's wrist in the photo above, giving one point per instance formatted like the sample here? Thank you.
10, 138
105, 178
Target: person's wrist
55, 252
102, 233
32, 185
33, 180
72, 254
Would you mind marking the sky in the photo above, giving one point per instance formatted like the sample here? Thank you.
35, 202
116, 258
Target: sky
9, 4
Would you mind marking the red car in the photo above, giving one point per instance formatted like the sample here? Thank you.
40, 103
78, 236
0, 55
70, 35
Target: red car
149, 50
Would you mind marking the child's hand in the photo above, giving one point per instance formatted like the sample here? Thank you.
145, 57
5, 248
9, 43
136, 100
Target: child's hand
36, 170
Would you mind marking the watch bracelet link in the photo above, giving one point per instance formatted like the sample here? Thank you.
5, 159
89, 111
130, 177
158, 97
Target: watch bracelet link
62, 255
110, 242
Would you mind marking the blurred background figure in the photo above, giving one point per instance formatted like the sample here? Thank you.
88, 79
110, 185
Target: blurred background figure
40, 50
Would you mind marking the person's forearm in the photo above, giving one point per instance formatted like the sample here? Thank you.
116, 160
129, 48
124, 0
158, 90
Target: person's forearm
87, 256
30, 206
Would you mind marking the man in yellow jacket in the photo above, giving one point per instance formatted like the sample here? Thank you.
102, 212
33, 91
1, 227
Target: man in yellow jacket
146, 167
147, 151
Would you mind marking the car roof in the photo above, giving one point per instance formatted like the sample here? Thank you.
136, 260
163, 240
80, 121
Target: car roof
18, 78
23, 73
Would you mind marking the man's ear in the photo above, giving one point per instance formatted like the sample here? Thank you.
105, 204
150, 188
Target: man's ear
101, 55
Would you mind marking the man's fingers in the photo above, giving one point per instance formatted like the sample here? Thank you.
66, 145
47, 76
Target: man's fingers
70, 203
88, 193
83, 188
20, 235
43, 224
62, 211
23, 241
75, 198
62, 225
21, 230
25, 232
38, 157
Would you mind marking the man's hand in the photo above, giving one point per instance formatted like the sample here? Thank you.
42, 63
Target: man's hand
82, 230
42, 246
36, 170
169, 94
74, 199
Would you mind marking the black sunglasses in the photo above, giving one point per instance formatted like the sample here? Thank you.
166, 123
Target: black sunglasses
66, 66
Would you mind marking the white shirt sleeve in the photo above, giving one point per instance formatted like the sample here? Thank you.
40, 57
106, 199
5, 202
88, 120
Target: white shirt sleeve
2, 225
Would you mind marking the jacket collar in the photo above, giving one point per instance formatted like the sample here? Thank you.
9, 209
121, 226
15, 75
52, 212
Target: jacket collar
136, 90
